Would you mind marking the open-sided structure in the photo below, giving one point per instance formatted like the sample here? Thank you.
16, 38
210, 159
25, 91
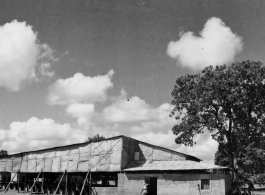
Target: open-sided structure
116, 165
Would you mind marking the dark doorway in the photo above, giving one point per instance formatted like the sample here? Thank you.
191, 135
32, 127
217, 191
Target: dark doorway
152, 185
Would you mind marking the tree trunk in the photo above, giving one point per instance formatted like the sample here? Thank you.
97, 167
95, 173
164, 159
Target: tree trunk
232, 162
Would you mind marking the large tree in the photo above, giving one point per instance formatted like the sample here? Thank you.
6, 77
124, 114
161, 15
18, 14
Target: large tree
228, 101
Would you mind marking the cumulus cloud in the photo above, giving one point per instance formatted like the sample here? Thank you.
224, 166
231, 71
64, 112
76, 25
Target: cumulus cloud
204, 149
83, 113
216, 45
20, 52
161, 121
131, 109
38, 133
80, 88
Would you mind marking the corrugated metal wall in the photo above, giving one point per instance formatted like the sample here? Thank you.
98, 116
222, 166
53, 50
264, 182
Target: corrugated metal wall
146, 152
97, 156
110, 155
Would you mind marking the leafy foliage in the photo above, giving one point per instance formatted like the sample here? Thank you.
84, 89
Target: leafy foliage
95, 138
3, 153
229, 102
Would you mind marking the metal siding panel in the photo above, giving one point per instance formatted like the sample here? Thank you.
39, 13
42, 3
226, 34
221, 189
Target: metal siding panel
104, 168
115, 167
40, 165
16, 164
115, 158
2, 165
9, 165
31, 165
94, 161
56, 164
48, 164
83, 166
73, 161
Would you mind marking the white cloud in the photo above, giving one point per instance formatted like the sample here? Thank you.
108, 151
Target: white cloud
39, 133
216, 45
46, 58
44, 69
161, 123
83, 113
19, 54
129, 110
80, 88
204, 149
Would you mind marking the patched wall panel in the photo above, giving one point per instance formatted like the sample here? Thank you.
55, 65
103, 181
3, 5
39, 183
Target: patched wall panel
31, 165
16, 164
2, 165
115, 158
48, 164
24, 164
96, 156
56, 164
83, 166
64, 163
94, 161
72, 163
103, 168
9, 164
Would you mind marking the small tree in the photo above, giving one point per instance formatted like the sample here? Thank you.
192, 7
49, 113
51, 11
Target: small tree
3, 153
95, 138
228, 101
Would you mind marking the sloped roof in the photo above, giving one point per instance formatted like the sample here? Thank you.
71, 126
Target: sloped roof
170, 165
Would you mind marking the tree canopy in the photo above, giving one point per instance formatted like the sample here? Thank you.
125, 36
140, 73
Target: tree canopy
95, 138
3, 153
229, 102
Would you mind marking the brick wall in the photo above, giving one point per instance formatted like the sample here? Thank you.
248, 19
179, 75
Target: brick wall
169, 184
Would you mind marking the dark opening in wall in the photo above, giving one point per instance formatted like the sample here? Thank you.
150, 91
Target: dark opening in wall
205, 184
106, 179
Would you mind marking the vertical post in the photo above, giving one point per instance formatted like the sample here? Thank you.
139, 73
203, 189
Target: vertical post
90, 184
66, 183
18, 177
42, 183
26, 183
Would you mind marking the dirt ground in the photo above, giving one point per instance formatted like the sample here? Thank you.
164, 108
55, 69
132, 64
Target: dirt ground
12, 192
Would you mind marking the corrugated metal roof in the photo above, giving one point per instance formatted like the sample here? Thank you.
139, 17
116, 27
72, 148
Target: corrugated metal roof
170, 165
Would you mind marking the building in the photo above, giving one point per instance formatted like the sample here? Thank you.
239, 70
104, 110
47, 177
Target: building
117, 165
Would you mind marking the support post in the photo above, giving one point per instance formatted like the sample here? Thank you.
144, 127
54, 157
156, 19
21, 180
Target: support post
10, 182
35, 181
90, 184
84, 182
18, 178
66, 183
59, 183
42, 183
25, 183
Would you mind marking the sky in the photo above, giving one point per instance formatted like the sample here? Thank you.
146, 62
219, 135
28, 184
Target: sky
72, 69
